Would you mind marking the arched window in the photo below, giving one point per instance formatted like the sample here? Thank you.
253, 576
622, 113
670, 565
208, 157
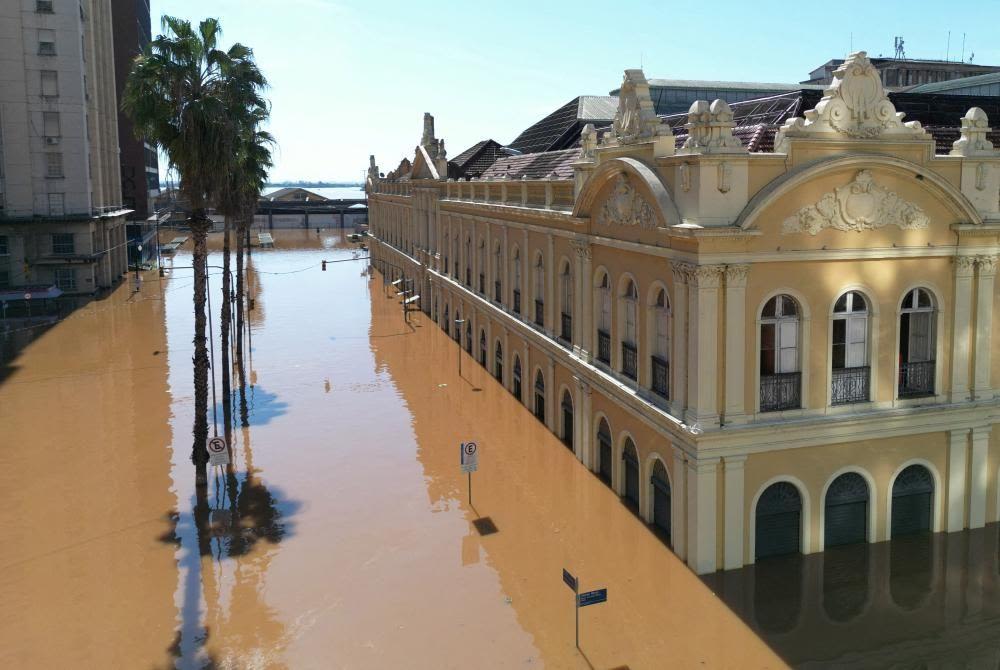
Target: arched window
660, 358
846, 510
516, 263
468, 336
497, 264
778, 521
454, 258
851, 374
566, 304
630, 474
660, 487
539, 291
446, 324
912, 498
604, 451
540, 396
498, 363
629, 350
482, 348
780, 379
468, 261
917, 344
567, 419
481, 266
604, 320
447, 247
515, 384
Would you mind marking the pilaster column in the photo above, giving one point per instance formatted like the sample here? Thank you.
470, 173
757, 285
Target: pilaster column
958, 447
961, 330
734, 477
578, 296
701, 514
735, 360
703, 333
987, 268
678, 504
527, 281
506, 295
678, 358
550, 281
978, 476
551, 391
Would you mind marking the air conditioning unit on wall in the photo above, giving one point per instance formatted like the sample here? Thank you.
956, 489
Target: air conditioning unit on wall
52, 140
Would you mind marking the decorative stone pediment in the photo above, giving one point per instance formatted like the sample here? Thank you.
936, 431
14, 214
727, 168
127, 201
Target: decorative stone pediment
854, 106
973, 142
636, 120
710, 129
625, 207
860, 205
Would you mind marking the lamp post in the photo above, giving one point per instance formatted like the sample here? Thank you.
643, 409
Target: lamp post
138, 259
458, 324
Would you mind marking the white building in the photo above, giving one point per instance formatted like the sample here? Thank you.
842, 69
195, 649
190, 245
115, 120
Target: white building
61, 219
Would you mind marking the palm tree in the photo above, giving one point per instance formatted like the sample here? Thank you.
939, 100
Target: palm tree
191, 98
238, 202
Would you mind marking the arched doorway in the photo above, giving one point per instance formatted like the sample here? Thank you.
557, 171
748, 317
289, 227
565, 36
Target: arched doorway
604, 451
660, 486
516, 381
912, 495
778, 521
630, 488
567, 420
498, 364
540, 396
846, 510
482, 348
468, 336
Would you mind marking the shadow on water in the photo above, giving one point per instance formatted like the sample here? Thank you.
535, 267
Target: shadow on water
263, 406
917, 601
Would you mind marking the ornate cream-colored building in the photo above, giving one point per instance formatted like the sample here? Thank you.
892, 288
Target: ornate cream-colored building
763, 351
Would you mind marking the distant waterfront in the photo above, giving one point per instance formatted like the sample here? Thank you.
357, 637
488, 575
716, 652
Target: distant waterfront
335, 192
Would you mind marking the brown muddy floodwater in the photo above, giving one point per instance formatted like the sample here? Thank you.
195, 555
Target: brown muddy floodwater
345, 539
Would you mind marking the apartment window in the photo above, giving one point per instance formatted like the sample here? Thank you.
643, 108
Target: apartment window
629, 349
661, 344
44, 6
65, 279
50, 124
917, 344
4, 249
851, 373
54, 165
62, 243
50, 83
4, 279
57, 204
46, 43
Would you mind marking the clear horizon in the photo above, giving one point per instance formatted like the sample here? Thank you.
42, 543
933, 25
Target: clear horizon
349, 79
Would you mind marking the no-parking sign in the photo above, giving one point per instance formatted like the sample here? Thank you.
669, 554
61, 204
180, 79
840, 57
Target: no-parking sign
470, 457
218, 452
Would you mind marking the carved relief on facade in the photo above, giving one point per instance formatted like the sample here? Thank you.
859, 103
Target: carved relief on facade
987, 265
859, 205
636, 120
855, 105
625, 207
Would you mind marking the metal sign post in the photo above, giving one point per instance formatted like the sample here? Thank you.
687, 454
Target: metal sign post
218, 451
574, 584
469, 460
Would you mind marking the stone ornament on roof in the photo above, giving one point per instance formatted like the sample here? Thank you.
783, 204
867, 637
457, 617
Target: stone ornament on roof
372, 168
625, 207
588, 142
860, 205
973, 142
710, 129
636, 120
855, 105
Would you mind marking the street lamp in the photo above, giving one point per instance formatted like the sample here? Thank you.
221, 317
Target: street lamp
138, 259
458, 324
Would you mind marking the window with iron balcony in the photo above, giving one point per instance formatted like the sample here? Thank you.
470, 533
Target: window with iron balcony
780, 378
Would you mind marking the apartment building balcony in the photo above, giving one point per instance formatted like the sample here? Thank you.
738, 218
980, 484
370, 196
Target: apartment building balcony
517, 302
539, 313
780, 391
660, 376
916, 380
566, 327
629, 360
497, 293
850, 385
604, 347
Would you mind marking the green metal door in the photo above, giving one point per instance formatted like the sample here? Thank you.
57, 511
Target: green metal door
779, 521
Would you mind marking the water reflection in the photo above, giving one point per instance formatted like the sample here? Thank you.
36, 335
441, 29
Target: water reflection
918, 601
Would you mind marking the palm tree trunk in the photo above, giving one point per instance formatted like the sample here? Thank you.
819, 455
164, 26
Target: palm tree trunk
225, 325
241, 369
199, 454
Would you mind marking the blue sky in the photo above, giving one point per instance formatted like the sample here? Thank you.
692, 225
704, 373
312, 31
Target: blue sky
355, 77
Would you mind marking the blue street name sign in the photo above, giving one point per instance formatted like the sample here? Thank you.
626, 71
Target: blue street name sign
593, 597
569, 579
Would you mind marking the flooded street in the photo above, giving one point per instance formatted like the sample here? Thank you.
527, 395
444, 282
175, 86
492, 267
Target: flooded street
345, 537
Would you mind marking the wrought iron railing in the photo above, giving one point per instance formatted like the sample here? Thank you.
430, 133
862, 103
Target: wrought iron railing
482, 283
517, 301
850, 385
780, 391
539, 312
496, 291
661, 375
916, 379
566, 327
629, 367
604, 347
468, 277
